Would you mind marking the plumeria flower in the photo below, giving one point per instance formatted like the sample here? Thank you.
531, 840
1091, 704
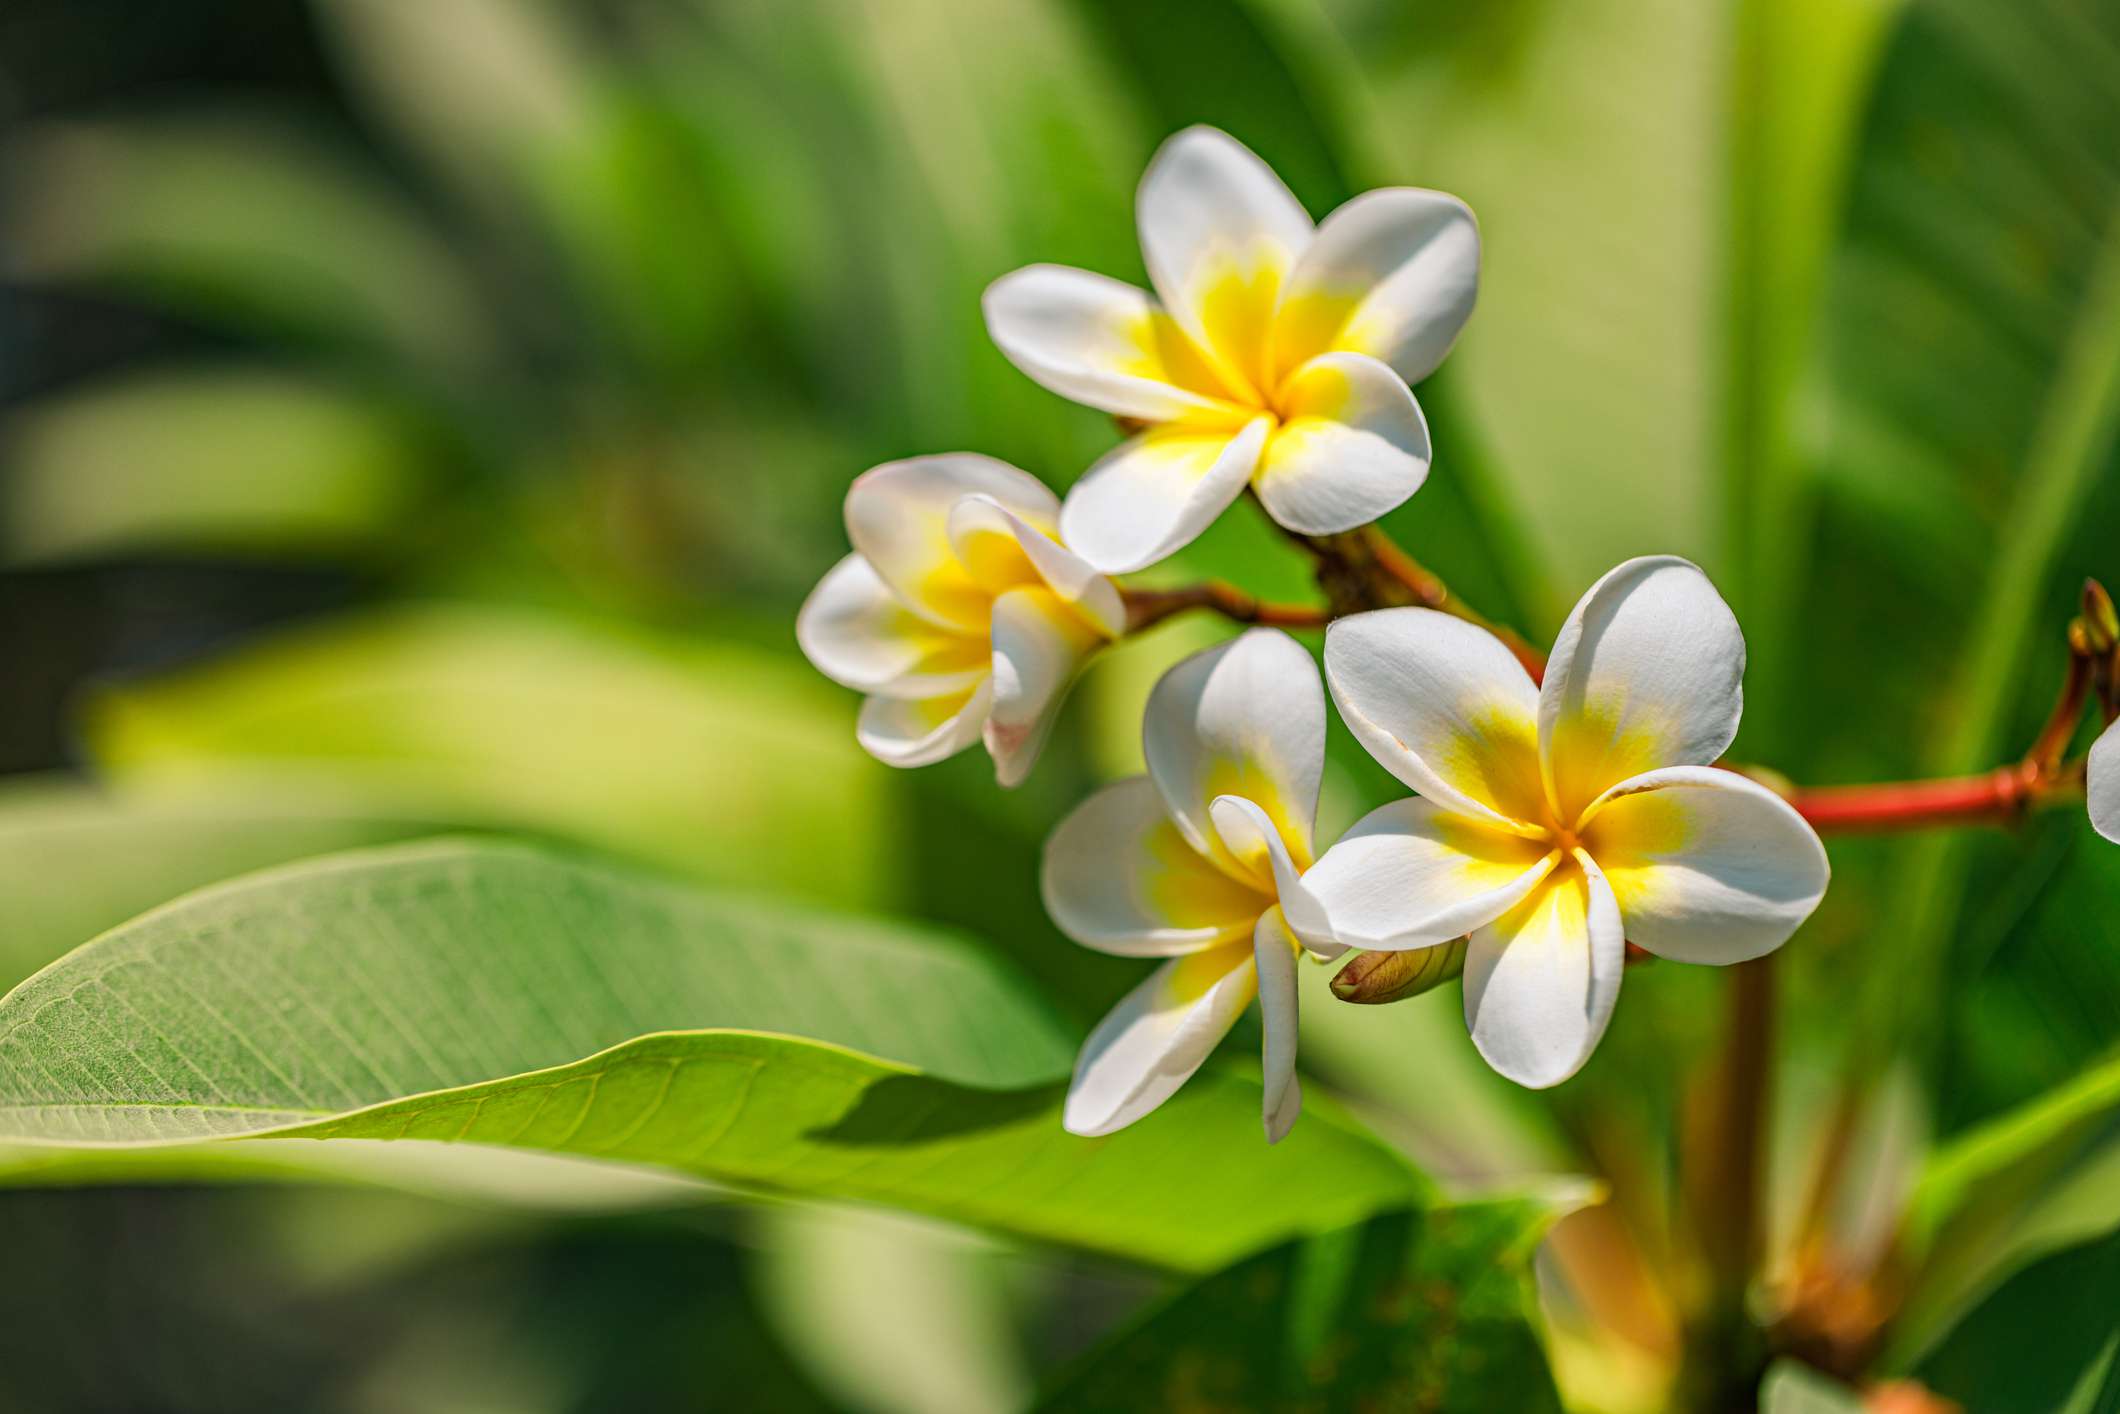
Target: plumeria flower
2103, 784
1555, 823
958, 613
1273, 354
1199, 862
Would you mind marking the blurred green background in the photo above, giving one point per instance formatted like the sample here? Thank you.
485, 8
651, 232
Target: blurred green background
421, 417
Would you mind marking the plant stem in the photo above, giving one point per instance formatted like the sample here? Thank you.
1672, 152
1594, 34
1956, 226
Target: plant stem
1996, 797
1147, 607
1724, 1191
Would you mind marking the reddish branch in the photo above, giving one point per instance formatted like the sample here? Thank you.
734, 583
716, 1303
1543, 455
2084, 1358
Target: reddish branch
1145, 607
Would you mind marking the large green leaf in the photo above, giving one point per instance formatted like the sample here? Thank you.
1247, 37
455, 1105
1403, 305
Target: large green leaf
363, 977
707, 759
170, 209
2040, 1178
1412, 1310
1657, 185
777, 1114
513, 1178
77, 858
2047, 1342
1968, 401
447, 991
226, 460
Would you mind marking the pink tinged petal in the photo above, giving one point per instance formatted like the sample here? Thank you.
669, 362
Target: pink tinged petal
995, 544
1101, 343
1392, 274
1707, 866
1274, 957
1244, 718
2103, 785
860, 635
1254, 840
1119, 877
1445, 707
898, 516
1153, 494
1352, 445
1411, 875
1647, 672
1540, 981
1157, 1037
1220, 234
1040, 643
903, 732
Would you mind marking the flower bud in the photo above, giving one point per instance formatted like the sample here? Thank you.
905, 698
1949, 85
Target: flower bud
1373, 978
2101, 625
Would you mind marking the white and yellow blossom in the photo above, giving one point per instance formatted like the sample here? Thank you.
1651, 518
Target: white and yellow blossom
1273, 354
2102, 785
1556, 822
1199, 862
958, 613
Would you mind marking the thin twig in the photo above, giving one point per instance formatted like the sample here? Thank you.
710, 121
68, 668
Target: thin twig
1147, 607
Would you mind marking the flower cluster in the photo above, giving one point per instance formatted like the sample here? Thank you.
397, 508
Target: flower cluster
1552, 822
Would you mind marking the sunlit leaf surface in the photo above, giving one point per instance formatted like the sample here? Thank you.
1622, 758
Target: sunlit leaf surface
445, 991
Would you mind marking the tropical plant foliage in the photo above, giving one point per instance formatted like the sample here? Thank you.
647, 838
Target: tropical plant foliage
528, 910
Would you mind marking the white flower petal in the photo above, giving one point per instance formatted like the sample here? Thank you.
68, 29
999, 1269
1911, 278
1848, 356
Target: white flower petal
1254, 840
1352, 445
1391, 274
1220, 234
1101, 343
906, 732
1157, 1036
1647, 672
1540, 981
1244, 718
2103, 786
997, 546
1274, 957
898, 518
1120, 877
1445, 707
1707, 866
1153, 494
1040, 643
1411, 875
860, 635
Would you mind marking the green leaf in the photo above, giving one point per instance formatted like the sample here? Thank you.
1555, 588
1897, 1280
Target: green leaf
704, 759
2040, 1178
781, 1115
363, 977
227, 460
1983, 231
2032, 1137
170, 209
76, 858
443, 990
2047, 1342
1409, 1309
1656, 186
513, 1178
